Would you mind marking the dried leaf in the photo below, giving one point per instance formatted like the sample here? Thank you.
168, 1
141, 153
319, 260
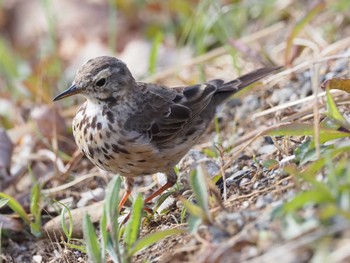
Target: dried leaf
337, 83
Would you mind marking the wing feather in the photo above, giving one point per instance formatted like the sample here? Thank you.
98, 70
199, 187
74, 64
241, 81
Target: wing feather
166, 112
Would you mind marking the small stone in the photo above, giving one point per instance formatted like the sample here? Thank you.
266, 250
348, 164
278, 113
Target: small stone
244, 181
256, 185
260, 202
37, 258
267, 149
280, 96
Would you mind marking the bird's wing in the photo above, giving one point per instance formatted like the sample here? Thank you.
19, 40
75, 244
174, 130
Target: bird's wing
165, 111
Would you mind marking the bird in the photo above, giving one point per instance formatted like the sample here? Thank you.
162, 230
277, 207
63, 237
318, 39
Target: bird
134, 128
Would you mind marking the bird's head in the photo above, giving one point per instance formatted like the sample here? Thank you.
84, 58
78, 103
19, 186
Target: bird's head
99, 79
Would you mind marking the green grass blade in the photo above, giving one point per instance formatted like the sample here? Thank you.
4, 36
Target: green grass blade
154, 52
112, 253
111, 202
334, 114
132, 229
35, 209
314, 167
150, 239
193, 209
67, 232
197, 217
183, 214
111, 206
91, 240
16, 207
199, 186
332, 110
313, 196
9, 62
305, 129
194, 223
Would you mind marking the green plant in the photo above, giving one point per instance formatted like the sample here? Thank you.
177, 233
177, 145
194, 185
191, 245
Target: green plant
15, 206
199, 212
331, 194
66, 231
121, 243
33, 220
35, 209
154, 52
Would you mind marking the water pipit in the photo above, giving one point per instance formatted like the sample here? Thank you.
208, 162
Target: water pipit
134, 128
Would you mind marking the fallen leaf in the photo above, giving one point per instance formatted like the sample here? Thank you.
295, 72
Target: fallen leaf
337, 83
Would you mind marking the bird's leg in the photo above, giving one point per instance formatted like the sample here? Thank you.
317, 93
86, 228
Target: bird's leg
171, 180
129, 184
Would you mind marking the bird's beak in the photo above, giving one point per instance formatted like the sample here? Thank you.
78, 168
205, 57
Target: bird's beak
68, 92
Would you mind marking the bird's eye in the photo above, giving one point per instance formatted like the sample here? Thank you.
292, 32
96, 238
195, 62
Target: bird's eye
101, 82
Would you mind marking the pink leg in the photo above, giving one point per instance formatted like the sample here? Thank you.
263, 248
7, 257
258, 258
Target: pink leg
158, 192
171, 180
123, 200
129, 184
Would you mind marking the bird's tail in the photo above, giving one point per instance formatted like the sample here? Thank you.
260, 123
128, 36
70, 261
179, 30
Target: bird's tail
225, 90
247, 79
229, 88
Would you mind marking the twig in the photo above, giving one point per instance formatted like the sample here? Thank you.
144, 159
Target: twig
64, 187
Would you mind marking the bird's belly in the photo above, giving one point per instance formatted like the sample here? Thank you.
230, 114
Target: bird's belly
128, 162
122, 156
129, 157
116, 151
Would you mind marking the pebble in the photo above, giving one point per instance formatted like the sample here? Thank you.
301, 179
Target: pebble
280, 96
268, 149
37, 258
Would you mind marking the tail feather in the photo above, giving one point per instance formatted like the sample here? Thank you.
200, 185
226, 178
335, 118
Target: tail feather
232, 87
248, 79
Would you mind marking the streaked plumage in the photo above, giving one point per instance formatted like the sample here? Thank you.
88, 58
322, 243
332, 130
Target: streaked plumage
135, 128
